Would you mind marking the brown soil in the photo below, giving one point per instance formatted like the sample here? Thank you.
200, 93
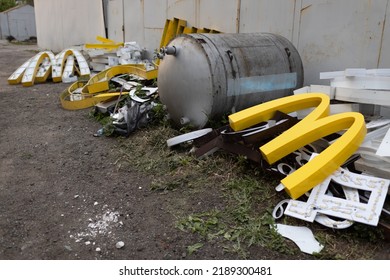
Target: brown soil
63, 197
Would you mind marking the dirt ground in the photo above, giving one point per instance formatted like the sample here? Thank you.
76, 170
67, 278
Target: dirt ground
63, 197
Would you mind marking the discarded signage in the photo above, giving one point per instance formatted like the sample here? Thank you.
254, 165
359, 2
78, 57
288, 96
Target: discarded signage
45, 65
302, 236
316, 125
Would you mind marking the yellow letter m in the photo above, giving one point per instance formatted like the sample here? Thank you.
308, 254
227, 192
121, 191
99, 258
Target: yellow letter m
313, 127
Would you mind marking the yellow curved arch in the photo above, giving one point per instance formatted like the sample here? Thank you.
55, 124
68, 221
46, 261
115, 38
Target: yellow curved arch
314, 126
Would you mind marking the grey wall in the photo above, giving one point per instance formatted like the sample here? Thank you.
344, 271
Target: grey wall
330, 35
64, 23
18, 22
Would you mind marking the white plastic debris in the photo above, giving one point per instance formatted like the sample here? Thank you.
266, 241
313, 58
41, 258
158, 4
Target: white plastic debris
187, 137
302, 236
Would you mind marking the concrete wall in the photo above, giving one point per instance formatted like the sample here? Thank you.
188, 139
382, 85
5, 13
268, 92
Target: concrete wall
64, 23
18, 22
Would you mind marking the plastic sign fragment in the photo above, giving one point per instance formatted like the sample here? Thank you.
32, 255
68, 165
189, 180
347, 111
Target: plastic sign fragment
313, 127
302, 236
351, 208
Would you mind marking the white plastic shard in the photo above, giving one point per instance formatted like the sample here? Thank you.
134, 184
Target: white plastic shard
384, 147
350, 208
377, 123
302, 236
187, 137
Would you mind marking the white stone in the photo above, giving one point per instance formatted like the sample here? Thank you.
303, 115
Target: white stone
120, 244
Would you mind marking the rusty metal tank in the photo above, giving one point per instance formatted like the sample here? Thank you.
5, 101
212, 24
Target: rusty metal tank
204, 76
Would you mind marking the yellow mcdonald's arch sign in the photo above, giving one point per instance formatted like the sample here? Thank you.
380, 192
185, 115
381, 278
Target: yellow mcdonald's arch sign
313, 127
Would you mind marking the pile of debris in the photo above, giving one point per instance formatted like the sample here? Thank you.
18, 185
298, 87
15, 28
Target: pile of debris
334, 172
108, 53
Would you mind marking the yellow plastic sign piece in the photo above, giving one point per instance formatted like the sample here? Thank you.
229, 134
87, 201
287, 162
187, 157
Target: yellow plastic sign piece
83, 101
100, 82
313, 127
105, 44
92, 92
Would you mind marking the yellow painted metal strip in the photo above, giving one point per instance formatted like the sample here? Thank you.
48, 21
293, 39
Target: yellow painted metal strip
328, 161
105, 40
180, 26
165, 31
189, 30
104, 46
314, 126
265, 111
100, 82
85, 100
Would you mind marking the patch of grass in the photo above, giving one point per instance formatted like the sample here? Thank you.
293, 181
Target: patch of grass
193, 248
26, 156
205, 224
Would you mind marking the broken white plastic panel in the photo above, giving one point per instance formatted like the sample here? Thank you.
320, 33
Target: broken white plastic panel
302, 236
384, 147
368, 82
350, 208
187, 137
354, 72
365, 96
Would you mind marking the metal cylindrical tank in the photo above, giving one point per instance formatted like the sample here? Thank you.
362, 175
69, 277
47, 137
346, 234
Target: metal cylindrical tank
203, 76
